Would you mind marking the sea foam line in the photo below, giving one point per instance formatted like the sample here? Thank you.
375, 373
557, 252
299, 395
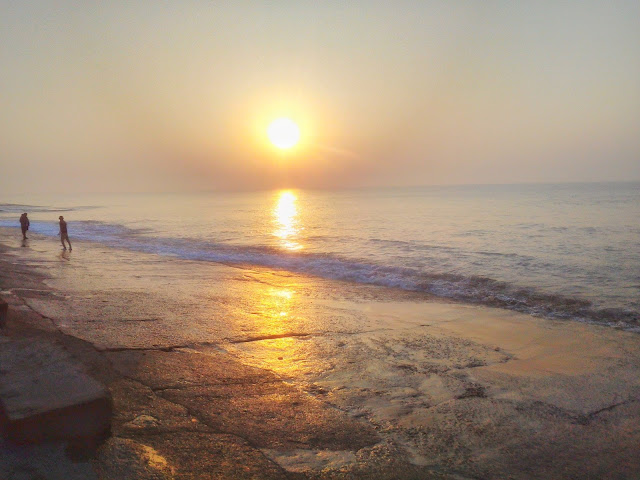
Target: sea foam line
468, 289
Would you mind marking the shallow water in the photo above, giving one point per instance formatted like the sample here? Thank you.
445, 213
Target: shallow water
446, 383
564, 251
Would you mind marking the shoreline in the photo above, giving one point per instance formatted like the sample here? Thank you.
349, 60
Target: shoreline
410, 390
520, 298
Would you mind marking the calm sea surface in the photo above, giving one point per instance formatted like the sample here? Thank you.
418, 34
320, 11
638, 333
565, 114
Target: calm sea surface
564, 251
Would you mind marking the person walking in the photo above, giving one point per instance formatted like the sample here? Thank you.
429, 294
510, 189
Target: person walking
63, 233
24, 225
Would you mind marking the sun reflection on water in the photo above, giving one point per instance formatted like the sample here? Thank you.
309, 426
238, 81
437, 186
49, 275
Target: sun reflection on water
285, 220
276, 321
275, 304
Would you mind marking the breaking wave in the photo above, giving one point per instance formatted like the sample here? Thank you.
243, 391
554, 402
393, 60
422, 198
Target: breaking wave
464, 288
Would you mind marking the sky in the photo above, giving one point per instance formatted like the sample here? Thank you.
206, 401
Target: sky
177, 96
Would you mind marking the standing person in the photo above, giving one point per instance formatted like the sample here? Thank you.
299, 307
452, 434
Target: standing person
63, 233
24, 224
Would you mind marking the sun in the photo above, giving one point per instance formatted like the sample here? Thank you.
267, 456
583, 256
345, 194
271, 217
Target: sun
283, 133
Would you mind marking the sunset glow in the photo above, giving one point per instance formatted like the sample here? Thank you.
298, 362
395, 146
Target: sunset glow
317, 240
283, 133
317, 95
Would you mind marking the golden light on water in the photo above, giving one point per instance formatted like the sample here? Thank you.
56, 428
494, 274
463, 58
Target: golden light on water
285, 220
277, 318
277, 306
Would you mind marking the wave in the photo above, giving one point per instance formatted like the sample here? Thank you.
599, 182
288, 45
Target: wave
463, 288
20, 208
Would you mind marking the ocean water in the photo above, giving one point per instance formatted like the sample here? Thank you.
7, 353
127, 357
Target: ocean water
569, 251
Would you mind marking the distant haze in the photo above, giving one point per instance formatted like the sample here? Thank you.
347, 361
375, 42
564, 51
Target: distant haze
175, 96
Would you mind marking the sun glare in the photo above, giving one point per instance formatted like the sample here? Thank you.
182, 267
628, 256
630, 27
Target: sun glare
285, 216
283, 133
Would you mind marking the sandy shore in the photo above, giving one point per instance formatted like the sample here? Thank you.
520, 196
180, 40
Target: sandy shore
221, 372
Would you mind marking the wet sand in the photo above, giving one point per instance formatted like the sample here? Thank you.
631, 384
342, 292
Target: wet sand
226, 372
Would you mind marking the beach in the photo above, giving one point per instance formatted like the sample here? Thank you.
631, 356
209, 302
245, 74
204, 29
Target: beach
320, 241
361, 381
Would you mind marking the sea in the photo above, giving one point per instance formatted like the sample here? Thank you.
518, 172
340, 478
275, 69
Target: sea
562, 251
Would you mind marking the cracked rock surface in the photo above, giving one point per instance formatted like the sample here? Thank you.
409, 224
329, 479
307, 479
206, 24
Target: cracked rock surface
220, 372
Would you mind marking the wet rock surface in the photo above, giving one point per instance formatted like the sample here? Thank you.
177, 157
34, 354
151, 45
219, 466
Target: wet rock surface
349, 385
245, 401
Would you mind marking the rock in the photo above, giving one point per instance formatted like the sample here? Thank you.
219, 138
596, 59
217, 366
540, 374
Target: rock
45, 394
142, 422
126, 459
4, 307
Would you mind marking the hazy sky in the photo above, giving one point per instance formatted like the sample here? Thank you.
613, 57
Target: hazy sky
139, 96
